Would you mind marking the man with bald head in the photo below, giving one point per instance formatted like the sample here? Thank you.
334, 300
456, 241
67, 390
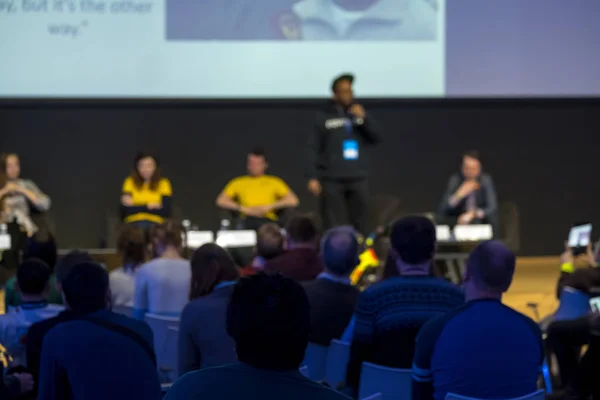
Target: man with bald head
485, 349
331, 296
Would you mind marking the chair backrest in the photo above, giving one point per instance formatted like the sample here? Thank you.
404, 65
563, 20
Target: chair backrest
376, 396
392, 383
315, 358
304, 370
539, 395
123, 310
337, 363
573, 304
166, 335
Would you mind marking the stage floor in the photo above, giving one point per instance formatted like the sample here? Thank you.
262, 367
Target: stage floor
535, 282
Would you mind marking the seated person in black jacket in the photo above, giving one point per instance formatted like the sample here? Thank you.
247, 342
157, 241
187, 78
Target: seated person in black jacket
331, 296
470, 196
585, 383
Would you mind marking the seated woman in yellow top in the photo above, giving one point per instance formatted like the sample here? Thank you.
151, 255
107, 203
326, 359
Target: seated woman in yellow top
256, 196
146, 196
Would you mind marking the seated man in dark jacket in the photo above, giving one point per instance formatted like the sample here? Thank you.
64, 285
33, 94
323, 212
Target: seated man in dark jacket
470, 196
331, 296
301, 261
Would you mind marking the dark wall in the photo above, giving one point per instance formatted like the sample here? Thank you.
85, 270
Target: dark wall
542, 154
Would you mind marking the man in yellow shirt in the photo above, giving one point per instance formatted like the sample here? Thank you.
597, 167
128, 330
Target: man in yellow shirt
257, 196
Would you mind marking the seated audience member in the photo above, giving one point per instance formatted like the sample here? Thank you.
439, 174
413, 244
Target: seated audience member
268, 317
567, 336
32, 285
269, 245
146, 195
37, 332
13, 386
256, 196
470, 196
98, 354
203, 338
42, 246
585, 383
484, 350
390, 313
162, 286
132, 248
301, 261
331, 296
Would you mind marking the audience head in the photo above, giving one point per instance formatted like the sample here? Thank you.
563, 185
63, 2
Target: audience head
257, 162
32, 279
342, 90
490, 270
86, 288
471, 165
42, 246
413, 245
211, 265
269, 319
146, 170
301, 232
66, 263
132, 246
340, 251
166, 236
10, 168
269, 241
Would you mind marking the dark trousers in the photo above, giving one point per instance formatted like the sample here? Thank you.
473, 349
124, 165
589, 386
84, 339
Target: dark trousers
345, 201
565, 339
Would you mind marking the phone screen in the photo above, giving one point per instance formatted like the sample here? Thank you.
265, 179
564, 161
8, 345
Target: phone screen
595, 304
580, 235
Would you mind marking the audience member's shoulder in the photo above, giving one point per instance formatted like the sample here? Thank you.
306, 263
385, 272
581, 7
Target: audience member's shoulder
433, 328
525, 319
44, 326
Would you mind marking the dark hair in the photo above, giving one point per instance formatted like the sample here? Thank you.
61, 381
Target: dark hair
33, 276
301, 229
131, 244
138, 181
492, 265
472, 154
168, 234
413, 239
211, 265
269, 241
342, 78
86, 287
66, 263
3, 163
269, 319
259, 152
340, 251
42, 245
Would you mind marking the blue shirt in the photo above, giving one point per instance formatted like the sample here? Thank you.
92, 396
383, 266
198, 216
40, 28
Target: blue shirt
162, 286
97, 363
242, 381
484, 350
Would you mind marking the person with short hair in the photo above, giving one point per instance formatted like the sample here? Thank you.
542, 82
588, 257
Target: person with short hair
131, 245
268, 317
470, 196
98, 354
301, 261
146, 196
162, 285
390, 313
37, 332
484, 349
42, 246
331, 296
203, 338
269, 245
257, 197
32, 285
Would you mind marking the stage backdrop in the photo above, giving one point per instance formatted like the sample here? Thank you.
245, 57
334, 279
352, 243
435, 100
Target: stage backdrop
543, 155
